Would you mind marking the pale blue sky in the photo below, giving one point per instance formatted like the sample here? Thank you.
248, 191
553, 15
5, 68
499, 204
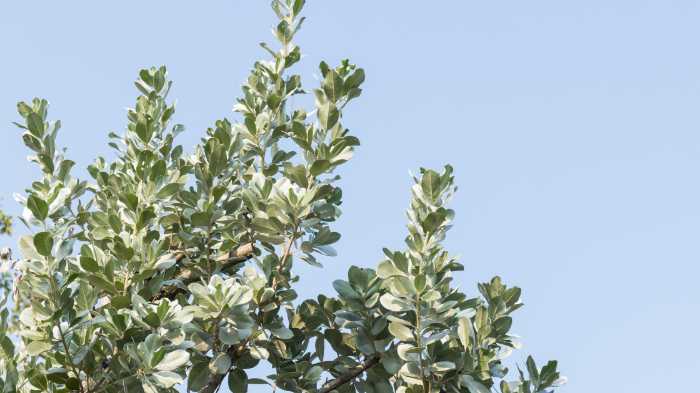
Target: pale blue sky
573, 127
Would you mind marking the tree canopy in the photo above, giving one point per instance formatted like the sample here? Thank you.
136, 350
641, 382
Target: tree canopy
168, 268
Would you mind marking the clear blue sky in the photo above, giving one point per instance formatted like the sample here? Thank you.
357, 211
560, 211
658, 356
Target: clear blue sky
573, 127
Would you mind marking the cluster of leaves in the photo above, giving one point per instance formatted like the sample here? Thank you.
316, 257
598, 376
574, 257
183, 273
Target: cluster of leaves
5, 261
5, 224
167, 269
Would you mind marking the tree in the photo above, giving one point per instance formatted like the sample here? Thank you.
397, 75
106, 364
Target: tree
167, 269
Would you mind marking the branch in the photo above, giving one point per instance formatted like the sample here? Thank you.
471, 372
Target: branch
70, 359
285, 255
234, 352
188, 276
343, 379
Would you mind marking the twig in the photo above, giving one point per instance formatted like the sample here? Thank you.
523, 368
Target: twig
343, 379
70, 359
215, 382
285, 255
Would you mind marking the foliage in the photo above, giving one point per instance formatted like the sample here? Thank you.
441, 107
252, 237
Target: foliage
166, 268
5, 224
5, 260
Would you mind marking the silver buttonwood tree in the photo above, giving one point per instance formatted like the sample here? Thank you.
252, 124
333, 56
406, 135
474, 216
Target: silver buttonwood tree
167, 269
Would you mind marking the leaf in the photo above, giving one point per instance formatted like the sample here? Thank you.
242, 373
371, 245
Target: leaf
345, 290
57, 375
7, 346
238, 381
297, 173
165, 262
502, 325
434, 220
35, 124
198, 376
89, 264
442, 366
358, 277
408, 352
147, 386
419, 282
348, 316
400, 285
296, 9
473, 385
173, 360
324, 68
320, 347
73, 384
364, 342
241, 295
65, 248
38, 207
325, 237
220, 364
379, 326
31, 141
43, 242
259, 352
319, 166
168, 190
549, 374
464, 327
400, 331
119, 302
383, 386
333, 86
328, 115
167, 379
387, 269
392, 303
282, 332
411, 373
313, 374
355, 80
36, 348
26, 247
23, 109
391, 363
326, 250
532, 368
100, 282
230, 335
430, 184
200, 219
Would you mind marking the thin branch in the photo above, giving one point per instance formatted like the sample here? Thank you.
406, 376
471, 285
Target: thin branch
234, 353
343, 379
70, 359
285, 255
188, 276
